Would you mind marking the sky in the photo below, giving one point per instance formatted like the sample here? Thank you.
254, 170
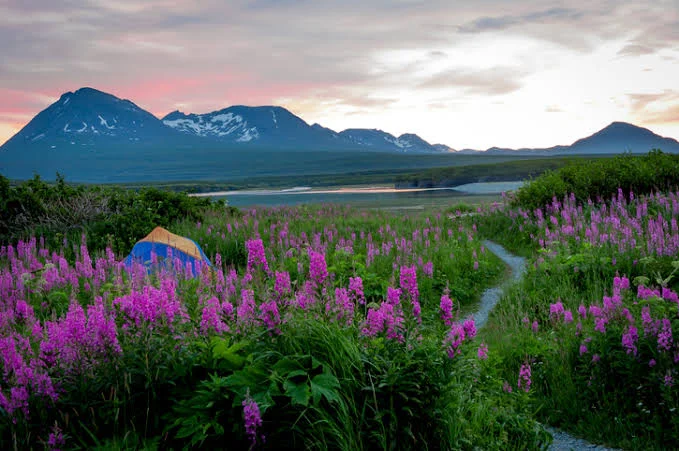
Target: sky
469, 74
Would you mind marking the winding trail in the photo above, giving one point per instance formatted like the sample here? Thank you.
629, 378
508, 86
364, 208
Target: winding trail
562, 440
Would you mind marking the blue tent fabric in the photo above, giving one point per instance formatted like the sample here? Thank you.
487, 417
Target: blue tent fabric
163, 243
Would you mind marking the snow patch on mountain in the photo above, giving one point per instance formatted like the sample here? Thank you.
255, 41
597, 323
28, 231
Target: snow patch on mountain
104, 122
219, 124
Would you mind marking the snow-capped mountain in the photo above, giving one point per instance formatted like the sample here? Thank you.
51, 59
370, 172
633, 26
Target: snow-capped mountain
370, 139
89, 118
240, 124
276, 126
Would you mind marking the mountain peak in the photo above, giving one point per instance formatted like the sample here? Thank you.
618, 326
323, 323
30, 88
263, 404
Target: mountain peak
619, 125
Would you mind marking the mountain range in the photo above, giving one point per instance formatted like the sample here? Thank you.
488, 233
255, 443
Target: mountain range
89, 130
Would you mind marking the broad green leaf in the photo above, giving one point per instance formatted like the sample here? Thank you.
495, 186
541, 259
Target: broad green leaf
298, 393
325, 385
286, 366
297, 373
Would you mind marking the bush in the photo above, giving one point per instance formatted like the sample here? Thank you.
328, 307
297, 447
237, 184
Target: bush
106, 215
600, 179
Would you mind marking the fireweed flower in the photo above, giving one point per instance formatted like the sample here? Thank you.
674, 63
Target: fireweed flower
393, 296
454, 340
524, 380
356, 288
668, 380
318, 269
556, 310
482, 353
446, 307
252, 419
387, 319
583, 349
650, 326
408, 280
211, 318
665, 336
343, 307
269, 315
629, 340
246, 309
282, 284
256, 255
670, 295
469, 328
55, 438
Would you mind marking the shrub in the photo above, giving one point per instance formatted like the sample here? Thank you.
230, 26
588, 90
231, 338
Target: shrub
600, 179
105, 215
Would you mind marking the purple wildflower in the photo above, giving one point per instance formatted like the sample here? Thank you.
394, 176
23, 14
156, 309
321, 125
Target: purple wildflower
482, 353
665, 335
256, 255
446, 309
629, 340
252, 419
318, 269
524, 380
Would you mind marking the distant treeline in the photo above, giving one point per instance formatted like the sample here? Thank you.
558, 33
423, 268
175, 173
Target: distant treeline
498, 172
501, 170
601, 179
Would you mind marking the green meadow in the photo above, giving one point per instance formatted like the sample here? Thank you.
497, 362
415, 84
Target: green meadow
346, 327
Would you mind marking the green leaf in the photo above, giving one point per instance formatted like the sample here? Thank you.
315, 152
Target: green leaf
297, 373
229, 354
325, 385
641, 280
298, 393
286, 366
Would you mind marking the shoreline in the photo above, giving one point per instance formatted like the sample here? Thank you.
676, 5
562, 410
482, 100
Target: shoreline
469, 188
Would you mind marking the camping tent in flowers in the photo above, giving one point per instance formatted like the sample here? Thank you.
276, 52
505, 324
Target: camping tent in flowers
163, 247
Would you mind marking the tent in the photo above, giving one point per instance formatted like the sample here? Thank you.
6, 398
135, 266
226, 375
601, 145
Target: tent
164, 244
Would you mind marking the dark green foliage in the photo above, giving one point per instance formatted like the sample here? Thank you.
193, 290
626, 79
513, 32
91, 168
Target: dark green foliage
601, 178
106, 215
519, 169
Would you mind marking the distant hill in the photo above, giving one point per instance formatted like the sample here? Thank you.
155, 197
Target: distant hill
89, 135
615, 138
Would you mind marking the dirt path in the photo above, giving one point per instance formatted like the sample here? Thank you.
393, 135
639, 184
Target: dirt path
562, 440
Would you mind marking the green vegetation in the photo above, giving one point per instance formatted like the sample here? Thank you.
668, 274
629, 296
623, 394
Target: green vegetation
328, 327
596, 313
319, 328
105, 215
520, 169
600, 179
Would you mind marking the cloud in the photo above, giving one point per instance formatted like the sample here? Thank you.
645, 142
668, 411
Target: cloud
377, 56
553, 109
495, 23
492, 81
636, 50
656, 108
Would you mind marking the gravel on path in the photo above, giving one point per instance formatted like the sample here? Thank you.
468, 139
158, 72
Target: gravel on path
563, 441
